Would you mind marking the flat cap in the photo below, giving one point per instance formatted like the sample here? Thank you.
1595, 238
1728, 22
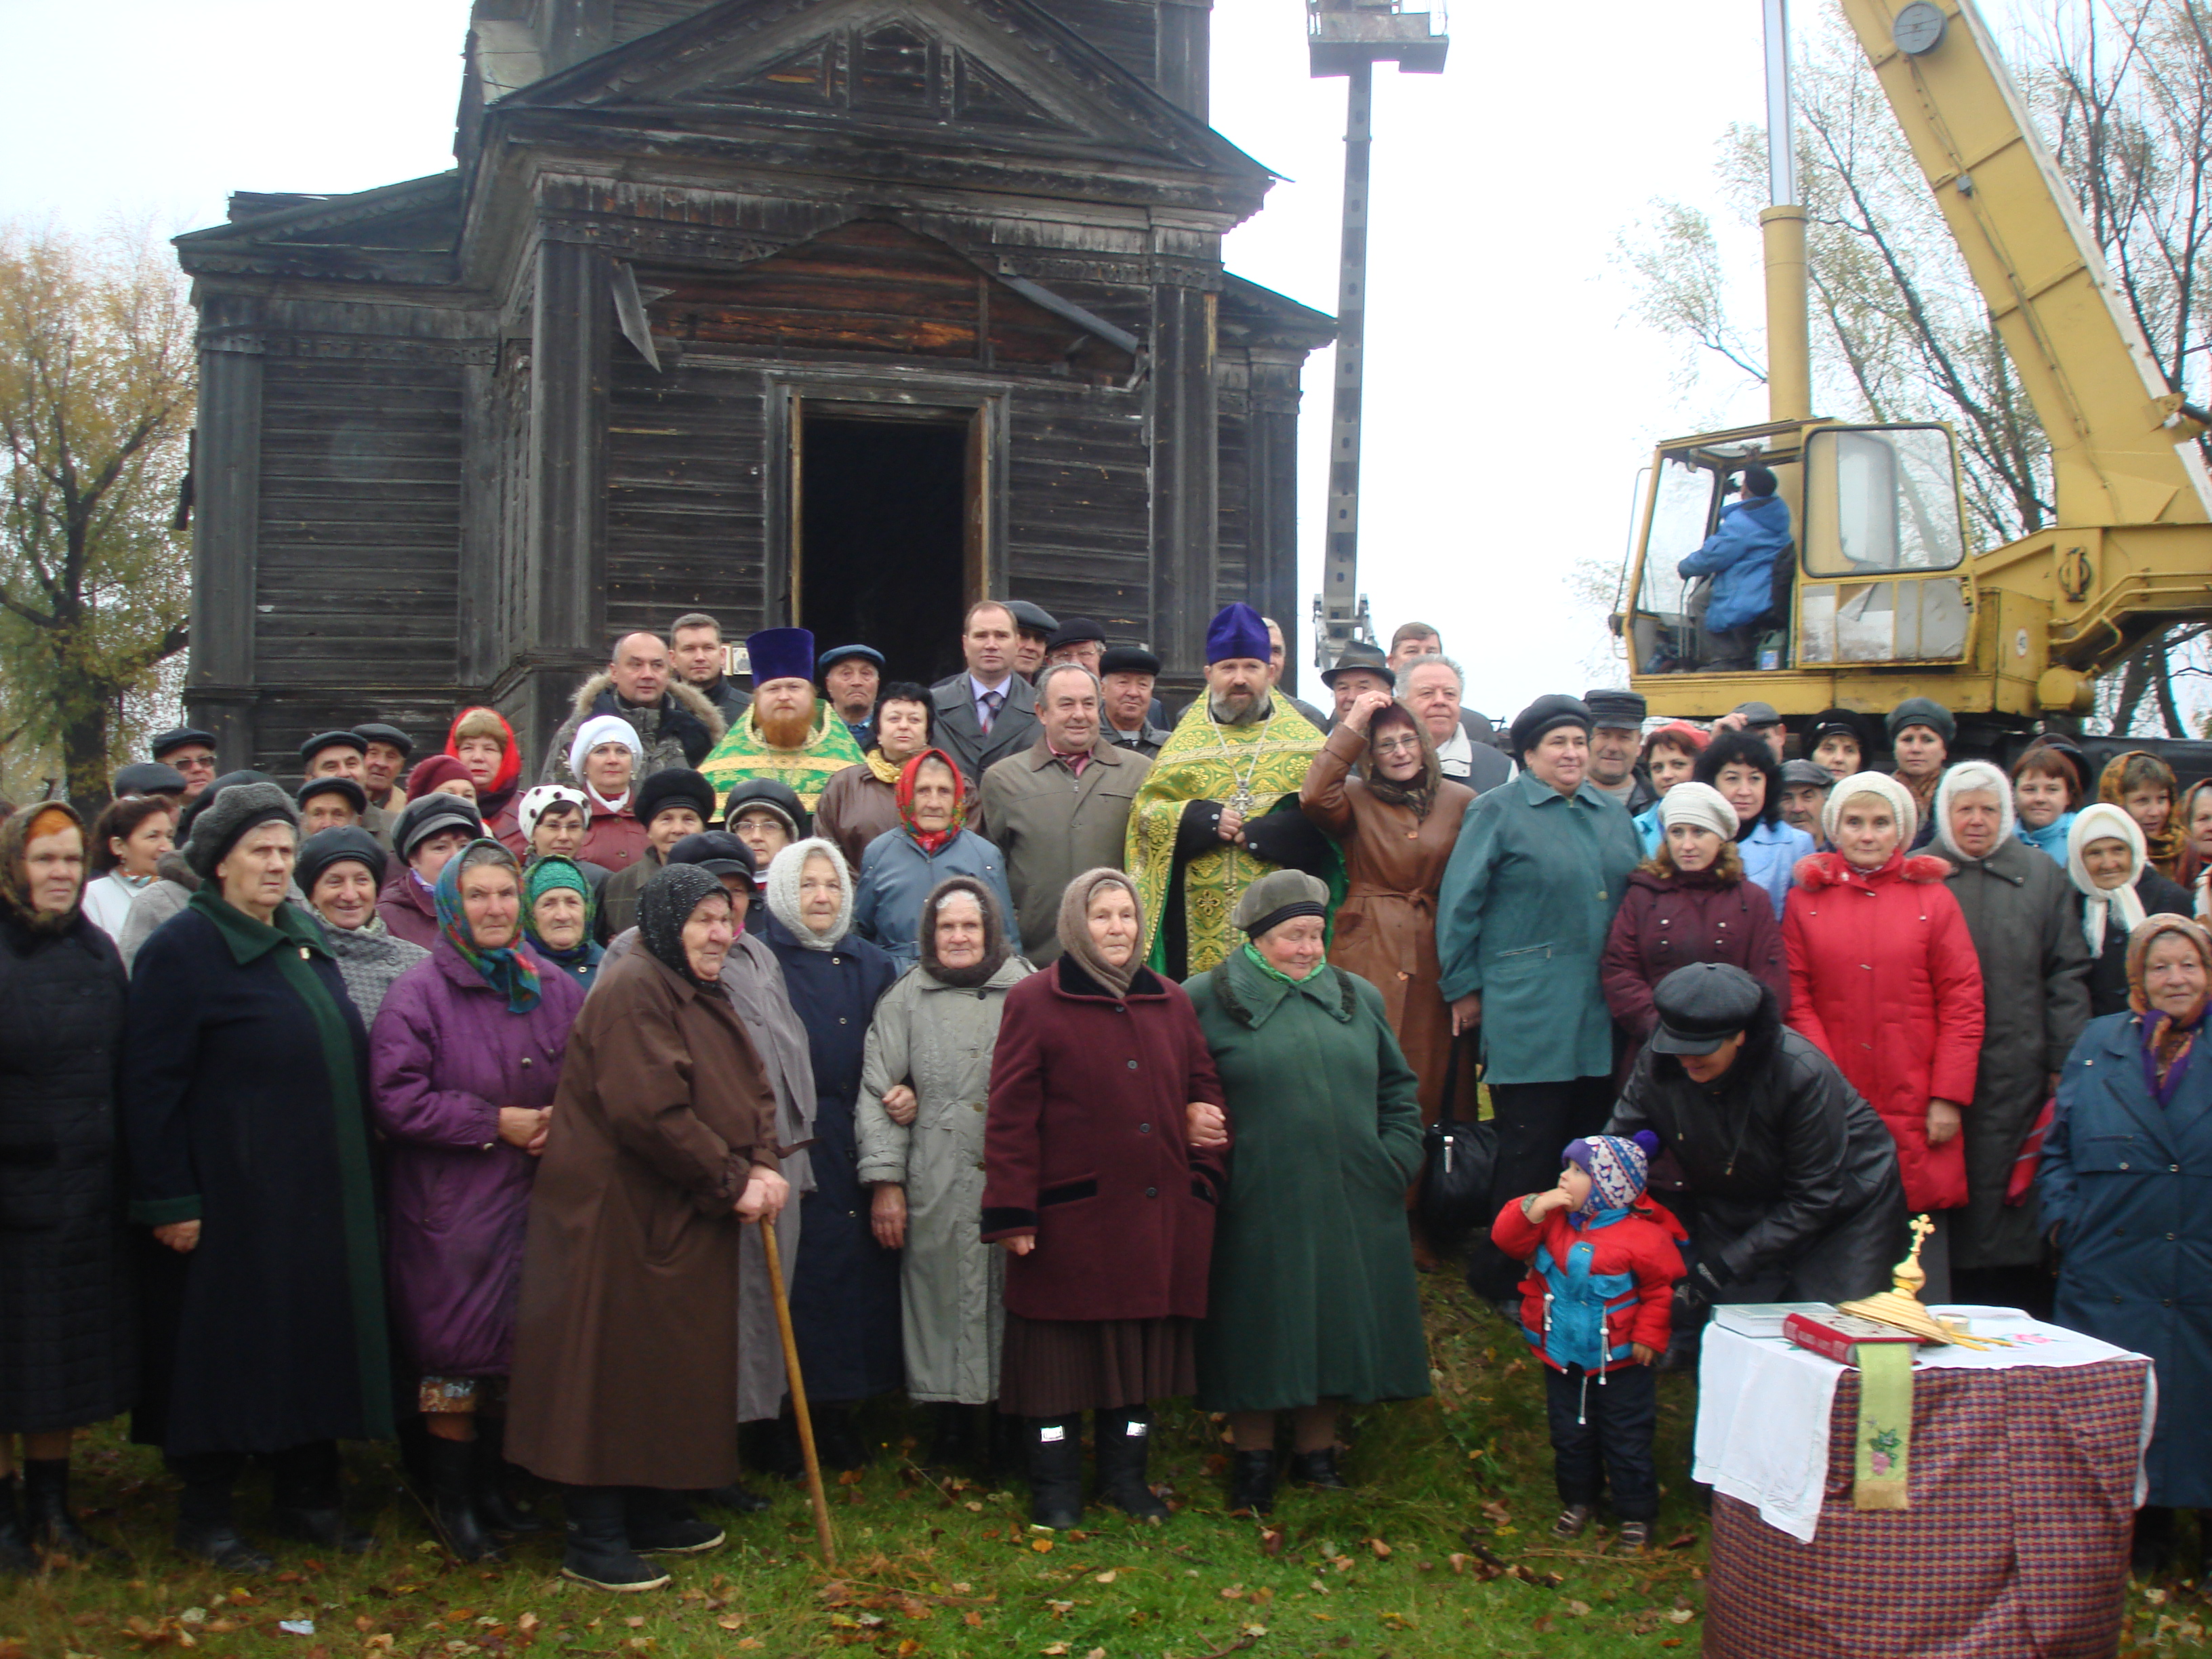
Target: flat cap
179, 737
1614, 706
1798, 773
1075, 631
1128, 659
148, 778
328, 846
1757, 714
774, 795
714, 850
323, 740
378, 731
427, 815
837, 653
355, 795
1835, 723
679, 786
1030, 619
1702, 1006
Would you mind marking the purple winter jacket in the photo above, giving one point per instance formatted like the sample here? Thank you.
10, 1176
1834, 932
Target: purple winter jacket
444, 1056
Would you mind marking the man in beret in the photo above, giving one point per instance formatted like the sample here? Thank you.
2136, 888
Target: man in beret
1616, 744
332, 801
431, 828
1127, 675
789, 733
386, 759
344, 755
191, 751
1523, 917
1077, 639
851, 676
148, 778
1220, 809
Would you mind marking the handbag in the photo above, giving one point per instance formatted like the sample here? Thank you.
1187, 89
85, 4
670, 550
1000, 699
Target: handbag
1458, 1159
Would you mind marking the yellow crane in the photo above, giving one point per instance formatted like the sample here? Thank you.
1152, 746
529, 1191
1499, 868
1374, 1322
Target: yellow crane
1880, 596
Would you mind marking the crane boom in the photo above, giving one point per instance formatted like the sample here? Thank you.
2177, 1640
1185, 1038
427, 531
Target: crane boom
2081, 356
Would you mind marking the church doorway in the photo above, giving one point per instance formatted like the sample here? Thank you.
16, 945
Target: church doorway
888, 545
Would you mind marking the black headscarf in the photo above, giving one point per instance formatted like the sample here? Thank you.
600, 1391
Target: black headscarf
666, 905
995, 947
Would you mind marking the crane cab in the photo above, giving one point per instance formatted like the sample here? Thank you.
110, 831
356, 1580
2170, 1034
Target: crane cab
1873, 586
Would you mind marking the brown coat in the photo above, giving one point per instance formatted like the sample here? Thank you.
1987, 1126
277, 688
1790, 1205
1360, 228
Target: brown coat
1385, 930
1052, 826
626, 1337
856, 806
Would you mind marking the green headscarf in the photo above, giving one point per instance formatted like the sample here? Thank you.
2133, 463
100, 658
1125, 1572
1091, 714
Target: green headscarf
542, 876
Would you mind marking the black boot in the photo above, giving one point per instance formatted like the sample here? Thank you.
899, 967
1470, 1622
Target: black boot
2152, 1552
1317, 1468
206, 1531
596, 1542
1124, 1438
454, 1486
496, 1506
838, 1446
1006, 1445
1055, 1460
310, 1503
1252, 1482
662, 1523
16, 1560
952, 1439
46, 1514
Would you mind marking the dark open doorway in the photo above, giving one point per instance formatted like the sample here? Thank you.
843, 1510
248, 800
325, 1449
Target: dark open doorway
883, 538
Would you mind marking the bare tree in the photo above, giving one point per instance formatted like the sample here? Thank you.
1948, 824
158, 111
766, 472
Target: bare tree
96, 387
2122, 90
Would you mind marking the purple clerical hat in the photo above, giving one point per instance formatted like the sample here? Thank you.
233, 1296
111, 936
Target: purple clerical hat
781, 654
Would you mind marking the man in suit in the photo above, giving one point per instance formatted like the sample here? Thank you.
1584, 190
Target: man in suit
1061, 806
987, 711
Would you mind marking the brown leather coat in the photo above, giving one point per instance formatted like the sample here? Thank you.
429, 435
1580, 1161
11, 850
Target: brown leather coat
1386, 928
626, 1337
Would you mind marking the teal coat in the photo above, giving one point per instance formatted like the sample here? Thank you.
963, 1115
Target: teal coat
1526, 906
1313, 1294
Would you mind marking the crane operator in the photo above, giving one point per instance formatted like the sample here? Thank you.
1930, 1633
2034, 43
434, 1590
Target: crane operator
1740, 557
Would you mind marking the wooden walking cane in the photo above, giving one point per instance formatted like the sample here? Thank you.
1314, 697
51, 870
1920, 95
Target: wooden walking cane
814, 1492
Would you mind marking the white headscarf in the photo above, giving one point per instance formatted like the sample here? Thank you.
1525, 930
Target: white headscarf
1872, 783
2106, 822
534, 801
605, 728
784, 871
1972, 778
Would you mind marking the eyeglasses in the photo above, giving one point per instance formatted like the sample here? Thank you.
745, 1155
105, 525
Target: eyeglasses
1397, 746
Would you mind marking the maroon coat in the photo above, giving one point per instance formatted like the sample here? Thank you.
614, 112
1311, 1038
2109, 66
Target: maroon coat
1666, 922
1084, 1147
408, 909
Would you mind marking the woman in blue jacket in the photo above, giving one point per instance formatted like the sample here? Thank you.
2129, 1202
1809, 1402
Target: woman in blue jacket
1741, 765
2126, 1167
902, 867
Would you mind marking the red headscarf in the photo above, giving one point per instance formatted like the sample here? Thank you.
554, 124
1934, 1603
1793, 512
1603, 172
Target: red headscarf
931, 839
480, 723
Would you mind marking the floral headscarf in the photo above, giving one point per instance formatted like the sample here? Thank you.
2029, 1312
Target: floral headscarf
931, 839
542, 876
511, 971
2166, 1040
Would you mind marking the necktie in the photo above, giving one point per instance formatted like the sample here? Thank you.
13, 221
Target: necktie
991, 701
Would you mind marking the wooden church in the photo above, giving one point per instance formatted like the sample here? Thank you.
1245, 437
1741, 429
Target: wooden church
838, 312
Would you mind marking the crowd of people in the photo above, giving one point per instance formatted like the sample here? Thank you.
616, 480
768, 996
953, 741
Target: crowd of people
1080, 1056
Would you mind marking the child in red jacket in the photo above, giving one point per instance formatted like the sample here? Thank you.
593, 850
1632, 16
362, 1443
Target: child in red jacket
1602, 1262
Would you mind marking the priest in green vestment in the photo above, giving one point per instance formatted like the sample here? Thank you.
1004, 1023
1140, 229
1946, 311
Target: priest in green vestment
1220, 809
789, 734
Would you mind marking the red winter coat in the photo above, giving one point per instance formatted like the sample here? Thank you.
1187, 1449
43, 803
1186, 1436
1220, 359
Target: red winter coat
1634, 1261
1084, 1147
1666, 922
1883, 977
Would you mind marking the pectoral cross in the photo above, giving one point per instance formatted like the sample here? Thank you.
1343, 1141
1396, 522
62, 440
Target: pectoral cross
1241, 802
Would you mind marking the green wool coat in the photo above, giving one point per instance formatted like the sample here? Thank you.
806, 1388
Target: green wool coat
1523, 915
1313, 1294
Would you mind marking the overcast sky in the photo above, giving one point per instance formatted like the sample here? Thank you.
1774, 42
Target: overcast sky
1509, 400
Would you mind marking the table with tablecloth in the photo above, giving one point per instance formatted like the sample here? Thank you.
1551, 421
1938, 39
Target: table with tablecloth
2024, 1471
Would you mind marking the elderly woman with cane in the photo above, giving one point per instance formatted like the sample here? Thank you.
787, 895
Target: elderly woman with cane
661, 1148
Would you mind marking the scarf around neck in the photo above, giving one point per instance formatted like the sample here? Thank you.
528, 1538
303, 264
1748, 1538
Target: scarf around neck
509, 970
1419, 792
882, 769
1252, 954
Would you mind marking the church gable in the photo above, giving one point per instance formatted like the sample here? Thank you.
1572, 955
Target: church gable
873, 285
958, 69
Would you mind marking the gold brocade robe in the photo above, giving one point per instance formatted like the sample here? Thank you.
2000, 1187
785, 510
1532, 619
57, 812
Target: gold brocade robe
744, 753
1206, 761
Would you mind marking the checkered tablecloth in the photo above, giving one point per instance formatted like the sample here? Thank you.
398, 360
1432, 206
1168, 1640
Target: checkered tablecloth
2023, 1490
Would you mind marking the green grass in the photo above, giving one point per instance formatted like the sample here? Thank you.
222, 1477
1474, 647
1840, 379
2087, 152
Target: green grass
1443, 1548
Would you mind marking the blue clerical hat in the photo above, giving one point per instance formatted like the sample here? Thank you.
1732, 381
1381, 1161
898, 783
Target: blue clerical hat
1237, 631
781, 654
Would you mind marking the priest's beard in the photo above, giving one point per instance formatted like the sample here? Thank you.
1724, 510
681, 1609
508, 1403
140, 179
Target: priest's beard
1228, 714
782, 730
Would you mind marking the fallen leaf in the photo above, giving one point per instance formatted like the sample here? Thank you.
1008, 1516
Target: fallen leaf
1679, 1615
635, 1621
750, 1642
1382, 1550
1578, 1609
1271, 1541
909, 1648
1041, 1545
1105, 1577
527, 1623
1683, 1541
1096, 1653
1233, 1593
1056, 1649
732, 1621
973, 1620
1255, 1630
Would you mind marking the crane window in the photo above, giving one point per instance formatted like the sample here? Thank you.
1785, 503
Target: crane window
1883, 501
1681, 519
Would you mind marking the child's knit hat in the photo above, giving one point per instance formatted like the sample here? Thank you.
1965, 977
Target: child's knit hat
1618, 1169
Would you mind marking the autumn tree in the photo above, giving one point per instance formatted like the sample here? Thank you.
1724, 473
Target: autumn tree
2122, 91
96, 378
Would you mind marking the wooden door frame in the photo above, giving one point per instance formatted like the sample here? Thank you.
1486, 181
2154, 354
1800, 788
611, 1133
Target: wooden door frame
980, 406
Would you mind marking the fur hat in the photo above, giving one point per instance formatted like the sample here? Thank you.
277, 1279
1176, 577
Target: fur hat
679, 786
